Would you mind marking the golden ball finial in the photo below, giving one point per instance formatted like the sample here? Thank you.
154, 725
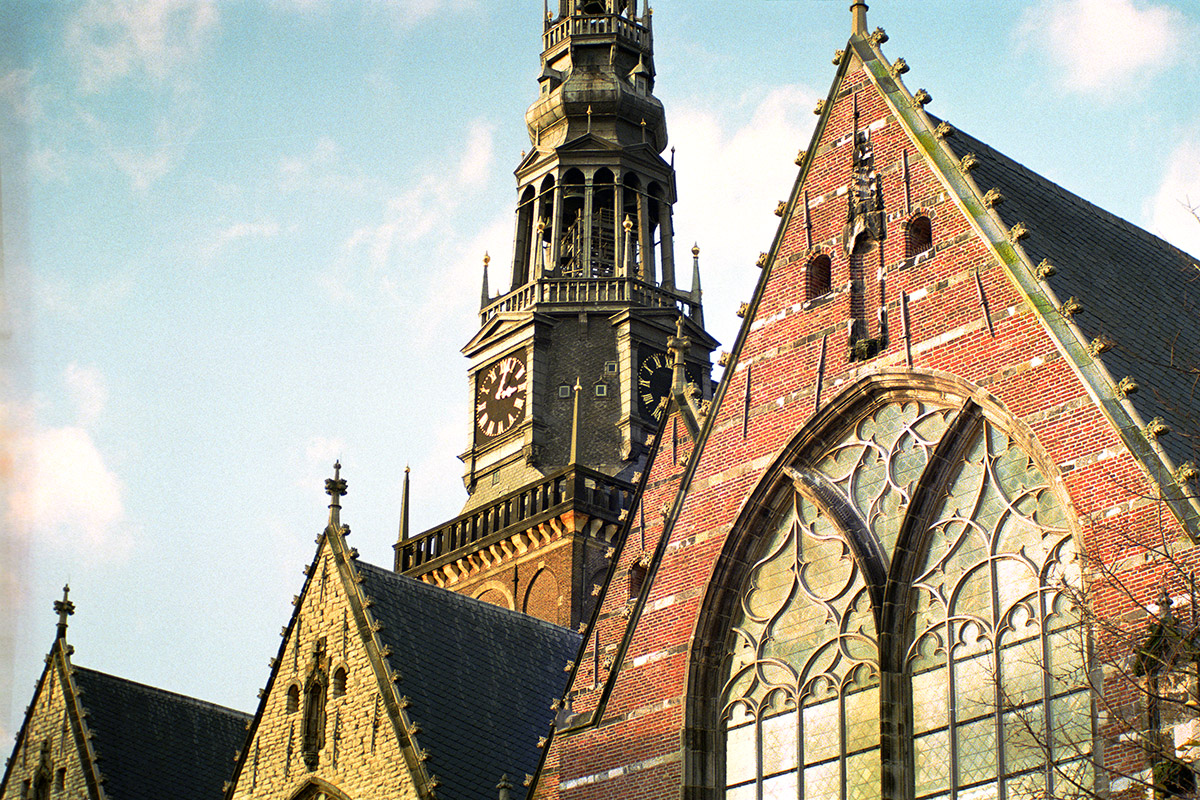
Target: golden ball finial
696, 249
487, 259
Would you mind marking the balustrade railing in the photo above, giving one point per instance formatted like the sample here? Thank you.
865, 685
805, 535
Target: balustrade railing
573, 291
597, 25
580, 488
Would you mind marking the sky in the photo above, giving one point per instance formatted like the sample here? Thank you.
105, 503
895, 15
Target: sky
244, 239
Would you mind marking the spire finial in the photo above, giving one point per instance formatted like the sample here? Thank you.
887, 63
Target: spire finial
589, 116
575, 424
64, 608
697, 293
485, 295
505, 788
335, 487
404, 507
858, 12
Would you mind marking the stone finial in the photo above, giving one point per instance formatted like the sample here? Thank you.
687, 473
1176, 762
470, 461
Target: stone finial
800, 156
575, 423
743, 309
943, 130
779, 209
1186, 472
899, 67
504, 787
761, 261
64, 608
968, 163
1045, 269
1100, 344
404, 507
1017, 232
485, 295
922, 98
1071, 306
335, 487
878, 36
696, 250
993, 198
819, 108
858, 18
838, 55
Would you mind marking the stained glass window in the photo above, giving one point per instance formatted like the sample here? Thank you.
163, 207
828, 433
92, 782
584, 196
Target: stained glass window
928, 531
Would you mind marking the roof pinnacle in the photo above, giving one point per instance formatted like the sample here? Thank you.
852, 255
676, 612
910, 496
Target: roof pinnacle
335, 487
64, 608
858, 11
575, 423
404, 507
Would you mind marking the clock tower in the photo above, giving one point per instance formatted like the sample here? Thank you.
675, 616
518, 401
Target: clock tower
569, 371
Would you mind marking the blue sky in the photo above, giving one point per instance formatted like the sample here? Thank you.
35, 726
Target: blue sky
243, 239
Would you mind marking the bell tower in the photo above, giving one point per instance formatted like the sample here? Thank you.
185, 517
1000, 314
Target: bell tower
593, 295
569, 371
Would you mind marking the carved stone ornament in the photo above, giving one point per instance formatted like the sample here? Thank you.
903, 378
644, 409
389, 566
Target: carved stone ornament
779, 209
922, 98
993, 198
879, 37
864, 215
761, 261
1018, 232
899, 67
1071, 307
968, 163
943, 130
800, 157
742, 310
1046, 270
1186, 473
1127, 386
820, 108
838, 55
1099, 345
723, 359
1157, 427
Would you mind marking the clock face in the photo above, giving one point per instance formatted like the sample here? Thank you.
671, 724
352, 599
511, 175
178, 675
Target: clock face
500, 397
653, 383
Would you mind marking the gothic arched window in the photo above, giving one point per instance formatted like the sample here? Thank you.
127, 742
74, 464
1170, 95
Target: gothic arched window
905, 624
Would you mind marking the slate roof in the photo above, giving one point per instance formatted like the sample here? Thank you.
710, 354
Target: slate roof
1135, 289
152, 744
480, 680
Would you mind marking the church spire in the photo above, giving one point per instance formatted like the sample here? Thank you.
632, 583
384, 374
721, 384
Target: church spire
485, 295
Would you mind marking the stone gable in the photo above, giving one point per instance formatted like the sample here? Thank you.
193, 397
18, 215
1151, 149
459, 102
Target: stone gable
48, 746
351, 744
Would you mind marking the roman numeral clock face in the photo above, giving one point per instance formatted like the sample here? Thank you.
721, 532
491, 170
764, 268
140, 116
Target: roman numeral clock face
500, 397
654, 376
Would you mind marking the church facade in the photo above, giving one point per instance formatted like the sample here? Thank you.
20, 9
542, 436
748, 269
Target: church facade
930, 536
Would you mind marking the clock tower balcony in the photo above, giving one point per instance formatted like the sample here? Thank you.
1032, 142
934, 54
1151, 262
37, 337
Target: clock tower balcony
570, 295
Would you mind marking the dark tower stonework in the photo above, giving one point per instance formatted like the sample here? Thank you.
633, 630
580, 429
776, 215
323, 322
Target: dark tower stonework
569, 372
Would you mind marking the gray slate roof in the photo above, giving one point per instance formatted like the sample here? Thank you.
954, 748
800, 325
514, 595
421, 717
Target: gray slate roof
1135, 289
480, 680
153, 745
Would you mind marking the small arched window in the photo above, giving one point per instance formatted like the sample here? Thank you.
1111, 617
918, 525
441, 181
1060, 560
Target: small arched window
918, 237
293, 699
339, 682
313, 728
820, 277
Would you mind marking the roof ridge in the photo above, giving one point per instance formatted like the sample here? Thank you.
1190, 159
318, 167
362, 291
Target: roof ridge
158, 690
520, 616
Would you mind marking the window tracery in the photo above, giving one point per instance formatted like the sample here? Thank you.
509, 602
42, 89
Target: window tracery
907, 621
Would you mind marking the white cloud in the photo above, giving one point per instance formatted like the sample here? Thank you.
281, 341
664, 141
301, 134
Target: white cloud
65, 494
88, 392
729, 181
1102, 46
1169, 209
241, 231
411, 217
17, 92
114, 39
60, 490
402, 13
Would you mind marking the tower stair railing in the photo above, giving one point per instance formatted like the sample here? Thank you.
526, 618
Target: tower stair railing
585, 25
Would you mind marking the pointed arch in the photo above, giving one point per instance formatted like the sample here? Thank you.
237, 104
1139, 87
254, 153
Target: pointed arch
887, 605
317, 789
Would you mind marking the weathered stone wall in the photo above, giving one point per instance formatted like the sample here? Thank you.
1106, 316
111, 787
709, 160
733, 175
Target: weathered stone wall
48, 730
360, 755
